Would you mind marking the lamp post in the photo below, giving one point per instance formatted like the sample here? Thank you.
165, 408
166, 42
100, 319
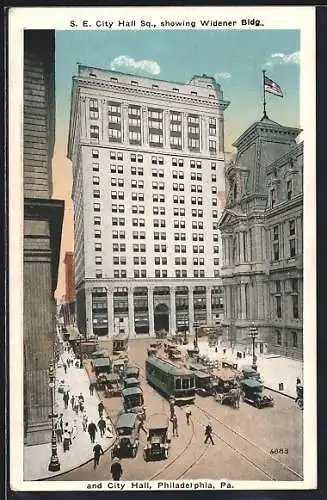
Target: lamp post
253, 333
196, 325
54, 464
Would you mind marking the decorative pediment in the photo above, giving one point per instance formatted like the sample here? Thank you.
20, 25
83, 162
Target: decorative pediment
230, 218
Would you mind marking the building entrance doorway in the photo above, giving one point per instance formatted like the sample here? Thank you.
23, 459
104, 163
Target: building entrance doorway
161, 318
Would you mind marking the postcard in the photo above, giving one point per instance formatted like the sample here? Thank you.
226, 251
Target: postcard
162, 248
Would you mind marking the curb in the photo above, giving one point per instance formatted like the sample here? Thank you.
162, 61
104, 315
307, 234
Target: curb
279, 392
83, 463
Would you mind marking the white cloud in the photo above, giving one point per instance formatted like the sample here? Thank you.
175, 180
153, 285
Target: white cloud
126, 63
281, 58
223, 75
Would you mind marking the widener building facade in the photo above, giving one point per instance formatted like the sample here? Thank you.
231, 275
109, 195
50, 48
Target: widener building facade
262, 240
148, 191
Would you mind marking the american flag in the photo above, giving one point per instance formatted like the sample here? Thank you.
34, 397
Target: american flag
272, 87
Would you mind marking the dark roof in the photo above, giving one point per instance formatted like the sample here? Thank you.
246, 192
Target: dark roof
201, 374
251, 382
129, 391
126, 420
97, 363
167, 367
112, 377
131, 380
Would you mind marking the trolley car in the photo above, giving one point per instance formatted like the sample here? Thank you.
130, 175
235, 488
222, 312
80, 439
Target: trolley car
170, 380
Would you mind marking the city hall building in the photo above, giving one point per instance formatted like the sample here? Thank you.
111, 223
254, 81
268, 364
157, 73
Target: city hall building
262, 240
148, 191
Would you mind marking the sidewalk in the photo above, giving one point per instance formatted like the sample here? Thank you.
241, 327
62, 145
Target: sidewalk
37, 458
274, 370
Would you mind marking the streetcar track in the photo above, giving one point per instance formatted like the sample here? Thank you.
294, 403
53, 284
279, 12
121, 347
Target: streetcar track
236, 450
284, 466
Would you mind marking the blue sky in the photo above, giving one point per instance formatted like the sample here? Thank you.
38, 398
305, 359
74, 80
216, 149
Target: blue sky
236, 57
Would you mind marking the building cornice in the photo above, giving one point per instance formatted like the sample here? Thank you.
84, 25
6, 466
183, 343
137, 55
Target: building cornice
155, 94
296, 151
111, 283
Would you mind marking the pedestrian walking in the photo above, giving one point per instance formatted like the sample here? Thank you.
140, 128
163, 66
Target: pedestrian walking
84, 421
76, 405
175, 425
61, 422
66, 399
65, 367
81, 402
100, 409
92, 429
141, 424
72, 401
116, 469
208, 434
109, 433
74, 429
102, 426
91, 388
58, 431
188, 416
66, 441
97, 451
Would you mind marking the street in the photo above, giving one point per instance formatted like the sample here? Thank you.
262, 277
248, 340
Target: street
250, 443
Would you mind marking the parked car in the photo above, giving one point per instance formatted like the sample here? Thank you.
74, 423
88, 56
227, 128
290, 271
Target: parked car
127, 428
158, 440
252, 392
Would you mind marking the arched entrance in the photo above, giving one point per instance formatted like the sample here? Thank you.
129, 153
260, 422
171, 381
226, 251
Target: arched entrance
161, 318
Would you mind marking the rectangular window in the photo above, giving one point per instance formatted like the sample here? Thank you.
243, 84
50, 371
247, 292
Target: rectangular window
96, 207
94, 132
96, 193
294, 339
278, 299
289, 187
95, 153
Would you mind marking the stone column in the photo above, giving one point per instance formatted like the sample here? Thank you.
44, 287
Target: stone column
221, 146
208, 307
260, 291
144, 126
151, 312
124, 124
226, 310
185, 132
172, 316
190, 308
243, 301
241, 242
88, 313
165, 128
110, 312
131, 325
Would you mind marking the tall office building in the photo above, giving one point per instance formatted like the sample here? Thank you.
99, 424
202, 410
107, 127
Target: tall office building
69, 277
148, 190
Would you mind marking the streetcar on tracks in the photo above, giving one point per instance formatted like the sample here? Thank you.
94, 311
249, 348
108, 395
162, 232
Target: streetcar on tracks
171, 380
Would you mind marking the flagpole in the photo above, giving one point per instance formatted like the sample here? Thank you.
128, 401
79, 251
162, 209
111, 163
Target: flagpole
264, 94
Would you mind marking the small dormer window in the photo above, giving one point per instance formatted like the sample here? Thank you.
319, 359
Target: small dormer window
175, 90
193, 92
133, 82
93, 75
113, 79
212, 96
155, 86
209, 86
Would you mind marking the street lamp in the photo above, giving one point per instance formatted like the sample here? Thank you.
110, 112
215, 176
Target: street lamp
54, 464
253, 333
196, 325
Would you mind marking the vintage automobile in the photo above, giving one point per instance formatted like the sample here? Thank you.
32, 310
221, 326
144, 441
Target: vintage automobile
113, 387
131, 382
204, 383
127, 429
192, 353
99, 354
119, 365
225, 379
249, 372
252, 392
132, 372
101, 365
120, 344
231, 397
175, 354
133, 399
158, 439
